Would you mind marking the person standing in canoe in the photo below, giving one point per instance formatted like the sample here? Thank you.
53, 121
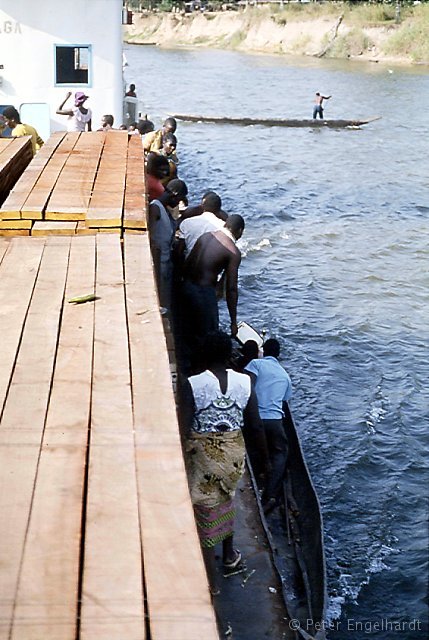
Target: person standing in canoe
318, 105
273, 390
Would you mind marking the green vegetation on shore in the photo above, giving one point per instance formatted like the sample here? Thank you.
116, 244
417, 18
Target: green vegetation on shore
333, 29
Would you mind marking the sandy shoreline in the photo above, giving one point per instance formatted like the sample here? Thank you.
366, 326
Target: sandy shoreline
243, 32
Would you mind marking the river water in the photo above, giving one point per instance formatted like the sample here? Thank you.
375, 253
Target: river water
336, 266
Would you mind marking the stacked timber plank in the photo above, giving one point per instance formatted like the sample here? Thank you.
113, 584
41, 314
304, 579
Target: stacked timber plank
15, 155
80, 183
98, 540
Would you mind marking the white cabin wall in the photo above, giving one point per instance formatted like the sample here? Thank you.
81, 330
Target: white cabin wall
28, 31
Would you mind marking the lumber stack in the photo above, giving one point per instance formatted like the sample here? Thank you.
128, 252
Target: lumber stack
98, 540
15, 155
79, 183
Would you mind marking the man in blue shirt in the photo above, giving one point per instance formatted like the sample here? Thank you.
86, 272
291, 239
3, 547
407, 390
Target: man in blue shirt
273, 388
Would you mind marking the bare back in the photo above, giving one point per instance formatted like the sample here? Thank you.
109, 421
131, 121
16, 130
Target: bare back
213, 253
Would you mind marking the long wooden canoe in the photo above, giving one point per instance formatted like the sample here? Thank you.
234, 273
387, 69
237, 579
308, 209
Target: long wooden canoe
300, 557
295, 534
277, 122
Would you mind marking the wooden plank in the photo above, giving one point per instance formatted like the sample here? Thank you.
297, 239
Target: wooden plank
112, 596
135, 201
18, 272
45, 153
71, 195
166, 515
14, 232
4, 143
47, 597
16, 199
13, 160
15, 224
115, 230
38, 198
24, 418
3, 248
72, 207
83, 230
46, 228
12, 151
105, 209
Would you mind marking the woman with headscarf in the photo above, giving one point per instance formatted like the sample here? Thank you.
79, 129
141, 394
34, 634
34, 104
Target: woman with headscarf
79, 117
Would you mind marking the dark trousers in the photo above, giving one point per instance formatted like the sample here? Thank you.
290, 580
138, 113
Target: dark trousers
277, 451
197, 316
318, 109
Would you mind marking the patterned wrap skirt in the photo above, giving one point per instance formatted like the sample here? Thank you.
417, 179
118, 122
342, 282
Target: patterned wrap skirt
215, 465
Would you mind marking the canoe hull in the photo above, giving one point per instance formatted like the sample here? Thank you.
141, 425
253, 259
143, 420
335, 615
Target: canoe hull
277, 122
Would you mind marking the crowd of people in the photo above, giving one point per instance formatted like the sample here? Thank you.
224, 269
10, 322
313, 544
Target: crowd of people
225, 410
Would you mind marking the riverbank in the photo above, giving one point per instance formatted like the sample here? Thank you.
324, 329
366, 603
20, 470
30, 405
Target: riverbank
334, 31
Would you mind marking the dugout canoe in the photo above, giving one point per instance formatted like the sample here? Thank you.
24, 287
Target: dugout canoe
297, 532
295, 535
277, 122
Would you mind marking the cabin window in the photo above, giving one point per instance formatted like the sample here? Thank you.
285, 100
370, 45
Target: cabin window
72, 64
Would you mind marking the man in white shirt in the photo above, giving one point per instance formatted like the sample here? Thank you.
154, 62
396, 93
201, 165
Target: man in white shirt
273, 389
192, 228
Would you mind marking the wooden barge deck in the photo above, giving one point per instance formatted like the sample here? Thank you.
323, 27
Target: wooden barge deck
98, 540
97, 529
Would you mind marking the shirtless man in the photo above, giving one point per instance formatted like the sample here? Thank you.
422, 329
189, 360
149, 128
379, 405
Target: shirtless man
213, 254
318, 105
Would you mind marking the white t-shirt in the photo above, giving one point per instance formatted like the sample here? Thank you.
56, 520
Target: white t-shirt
217, 411
193, 228
79, 120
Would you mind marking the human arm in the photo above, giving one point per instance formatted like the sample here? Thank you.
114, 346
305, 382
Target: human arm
254, 431
187, 407
148, 139
178, 252
89, 124
64, 112
154, 216
220, 287
191, 211
287, 395
232, 289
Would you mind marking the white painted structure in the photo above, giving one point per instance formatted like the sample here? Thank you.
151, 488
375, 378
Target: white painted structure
50, 47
